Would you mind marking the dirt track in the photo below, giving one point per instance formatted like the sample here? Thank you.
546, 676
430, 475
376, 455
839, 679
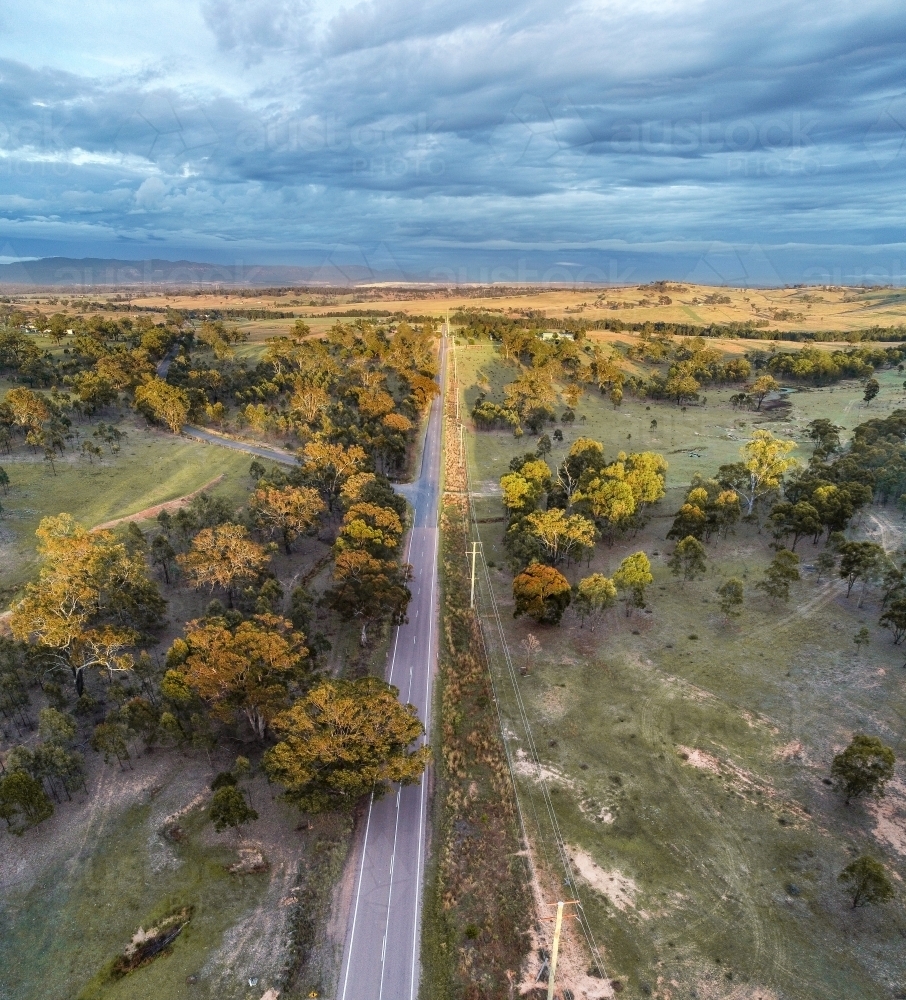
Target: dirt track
149, 512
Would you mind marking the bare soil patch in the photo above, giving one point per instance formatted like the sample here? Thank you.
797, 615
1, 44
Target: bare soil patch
170, 506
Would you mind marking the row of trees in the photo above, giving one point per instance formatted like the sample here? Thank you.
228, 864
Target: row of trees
680, 367
480, 323
817, 367
543, 593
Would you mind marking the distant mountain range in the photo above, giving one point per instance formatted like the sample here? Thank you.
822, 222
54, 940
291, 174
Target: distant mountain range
89, 273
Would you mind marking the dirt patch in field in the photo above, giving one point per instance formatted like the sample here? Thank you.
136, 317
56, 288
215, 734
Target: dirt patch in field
619, 889
539, 772
793, 750
713, 987
752, 789
252, 861
700, 759
890, 817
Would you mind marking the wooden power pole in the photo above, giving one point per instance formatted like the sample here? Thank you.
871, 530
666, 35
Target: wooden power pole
474, 553
555, 946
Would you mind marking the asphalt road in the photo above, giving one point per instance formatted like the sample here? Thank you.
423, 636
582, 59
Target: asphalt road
383, 936
260, 450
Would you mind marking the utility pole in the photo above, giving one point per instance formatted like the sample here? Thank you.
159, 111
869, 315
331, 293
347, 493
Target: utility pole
555, 947
474, 554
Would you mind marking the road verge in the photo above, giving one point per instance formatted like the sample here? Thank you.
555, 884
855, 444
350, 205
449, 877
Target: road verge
478, 903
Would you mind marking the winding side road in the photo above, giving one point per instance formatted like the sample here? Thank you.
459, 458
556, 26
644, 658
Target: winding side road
260, 450
383, 936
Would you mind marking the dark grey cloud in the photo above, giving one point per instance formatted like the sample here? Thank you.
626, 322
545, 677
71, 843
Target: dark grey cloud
258, 27
477, 125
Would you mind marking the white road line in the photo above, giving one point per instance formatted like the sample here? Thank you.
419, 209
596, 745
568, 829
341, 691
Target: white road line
422, 806
396, 827
358, 894
396, 638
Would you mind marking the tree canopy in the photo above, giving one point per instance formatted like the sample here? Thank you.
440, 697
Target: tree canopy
92, 599
594, 595
289, 511
223, 556
865, 880
633, 576
542, 593
765, 460
688, 559
343, 740
863, 768
246, 667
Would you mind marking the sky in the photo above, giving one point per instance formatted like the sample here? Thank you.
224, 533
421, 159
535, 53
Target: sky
740, 143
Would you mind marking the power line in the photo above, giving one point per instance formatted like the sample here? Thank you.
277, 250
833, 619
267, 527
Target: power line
535, 759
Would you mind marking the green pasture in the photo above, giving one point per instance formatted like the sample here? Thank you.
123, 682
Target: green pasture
695, 439
59, 938
152, 467
687, 753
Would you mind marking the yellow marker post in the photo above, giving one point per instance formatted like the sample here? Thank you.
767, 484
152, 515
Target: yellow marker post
555, 947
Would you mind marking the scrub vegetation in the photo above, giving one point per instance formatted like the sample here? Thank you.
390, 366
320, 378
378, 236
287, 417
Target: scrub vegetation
706, 714
478, 905
157, 630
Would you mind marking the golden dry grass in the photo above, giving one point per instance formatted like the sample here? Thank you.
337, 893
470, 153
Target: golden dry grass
802, 308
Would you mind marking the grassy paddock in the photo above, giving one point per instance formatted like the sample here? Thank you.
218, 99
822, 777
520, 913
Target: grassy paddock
152, 467
60, 937
814, 308
686, 754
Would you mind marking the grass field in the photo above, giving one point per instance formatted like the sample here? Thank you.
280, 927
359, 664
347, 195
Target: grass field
152, 467
685, 755
109, 863
806, 308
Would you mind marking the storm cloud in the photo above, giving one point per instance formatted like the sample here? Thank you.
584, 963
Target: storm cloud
678, 134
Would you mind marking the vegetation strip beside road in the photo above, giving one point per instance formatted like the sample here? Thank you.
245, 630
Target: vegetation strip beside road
478, 906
